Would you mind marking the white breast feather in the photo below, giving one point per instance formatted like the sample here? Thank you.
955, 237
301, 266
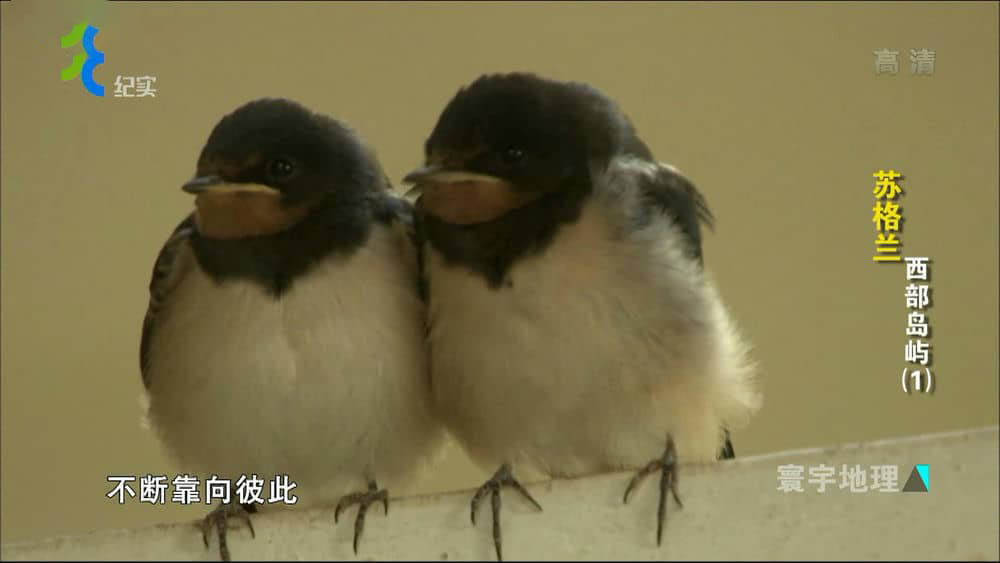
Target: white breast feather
326, 384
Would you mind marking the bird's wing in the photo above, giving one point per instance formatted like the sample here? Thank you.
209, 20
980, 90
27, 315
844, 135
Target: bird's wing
167, 272
675, 195
419, 237
727, 451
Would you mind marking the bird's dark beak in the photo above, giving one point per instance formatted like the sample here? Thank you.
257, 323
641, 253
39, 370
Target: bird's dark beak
421, 174
201, 184
435, 175
417, 176
205, 185
463, 197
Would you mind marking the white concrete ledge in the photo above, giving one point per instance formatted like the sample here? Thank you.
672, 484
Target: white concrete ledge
732, 511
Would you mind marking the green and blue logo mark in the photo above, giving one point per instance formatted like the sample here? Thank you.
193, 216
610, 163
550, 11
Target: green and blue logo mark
83, 65
920, 479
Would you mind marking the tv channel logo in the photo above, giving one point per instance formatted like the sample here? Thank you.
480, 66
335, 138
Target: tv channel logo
83, 65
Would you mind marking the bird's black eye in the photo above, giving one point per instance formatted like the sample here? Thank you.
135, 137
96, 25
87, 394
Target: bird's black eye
280, 169
512, 155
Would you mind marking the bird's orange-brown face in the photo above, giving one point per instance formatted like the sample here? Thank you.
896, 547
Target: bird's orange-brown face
234, 211
239, 209
464, 198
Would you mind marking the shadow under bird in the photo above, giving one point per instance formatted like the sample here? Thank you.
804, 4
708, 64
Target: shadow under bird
285, 331
572, 326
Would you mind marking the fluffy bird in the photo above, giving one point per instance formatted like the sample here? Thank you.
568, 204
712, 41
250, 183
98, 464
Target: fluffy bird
572, 326
285, 332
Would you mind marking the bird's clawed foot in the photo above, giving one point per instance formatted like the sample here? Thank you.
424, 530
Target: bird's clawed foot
219, 518
668, 480
727, 448
502, 478
363, 500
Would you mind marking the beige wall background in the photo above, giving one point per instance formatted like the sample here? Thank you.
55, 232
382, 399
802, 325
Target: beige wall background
774, 111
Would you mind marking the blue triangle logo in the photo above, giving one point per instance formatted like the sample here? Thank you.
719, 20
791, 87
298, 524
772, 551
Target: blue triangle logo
925, 474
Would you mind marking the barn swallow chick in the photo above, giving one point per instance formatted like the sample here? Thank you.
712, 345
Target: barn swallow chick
285, 332
572, 326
